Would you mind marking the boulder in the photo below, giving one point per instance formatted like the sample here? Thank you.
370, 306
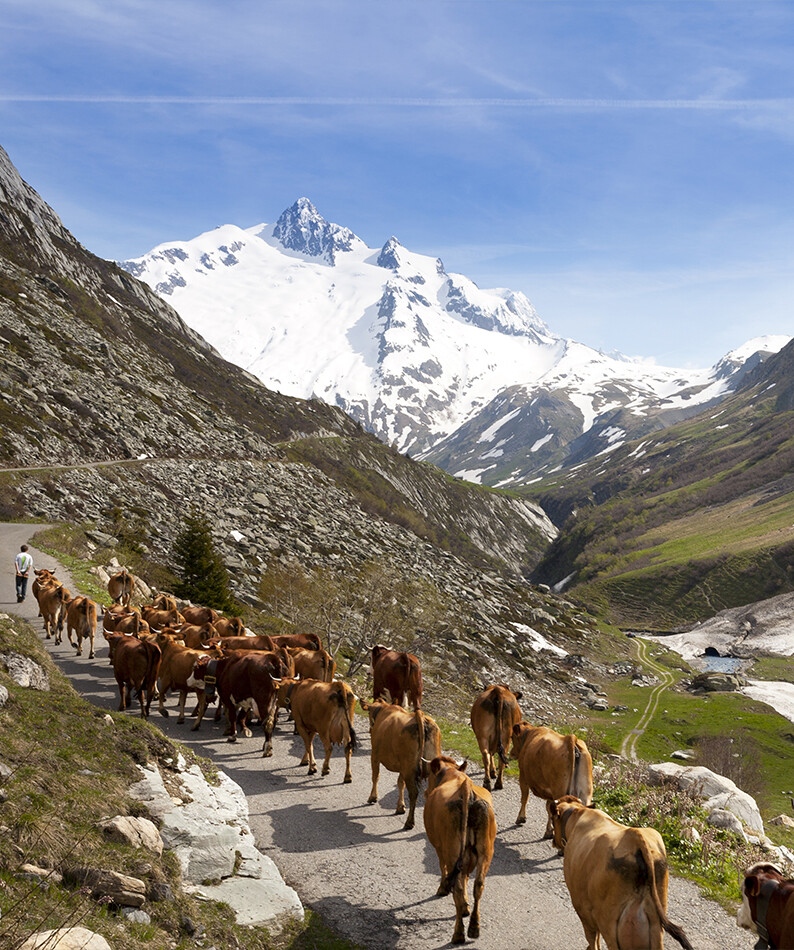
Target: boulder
68, 938
782, 820
138, 832
720, 818
24, 671
110, 886
3, 696
717, 791
715, 682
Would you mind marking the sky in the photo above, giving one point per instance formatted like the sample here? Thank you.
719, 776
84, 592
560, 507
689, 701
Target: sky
629, 166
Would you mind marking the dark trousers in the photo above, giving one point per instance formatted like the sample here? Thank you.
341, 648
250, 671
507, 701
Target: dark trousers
22, 586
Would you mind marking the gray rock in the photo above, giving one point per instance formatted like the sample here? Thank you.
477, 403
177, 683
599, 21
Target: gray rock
717, 791
714, 682
135, 916
720, 818
3, 696
24, 671
138, 832
119, 889
782, 820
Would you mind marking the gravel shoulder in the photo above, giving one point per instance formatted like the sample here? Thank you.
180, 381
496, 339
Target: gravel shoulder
371, 881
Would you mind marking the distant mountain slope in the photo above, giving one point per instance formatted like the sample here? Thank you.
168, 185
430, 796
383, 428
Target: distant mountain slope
689, 521
470, 379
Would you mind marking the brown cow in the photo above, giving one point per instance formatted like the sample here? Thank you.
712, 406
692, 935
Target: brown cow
396, 677
305, 641
461, 825
493, 715
112, 615
43, 576
176, 671
135, 663
313, 664
245, 682
161, 618
164, 602
324, 709
767, 907
401, 742
616, 876
120, 587
229, 627
199, 615
262, 642
195, 636
551, 765
53, 599
81, 618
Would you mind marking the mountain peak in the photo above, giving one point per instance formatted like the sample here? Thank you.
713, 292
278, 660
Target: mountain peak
303, 229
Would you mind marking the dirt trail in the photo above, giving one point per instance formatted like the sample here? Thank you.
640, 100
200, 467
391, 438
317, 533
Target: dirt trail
372, 882
628, 748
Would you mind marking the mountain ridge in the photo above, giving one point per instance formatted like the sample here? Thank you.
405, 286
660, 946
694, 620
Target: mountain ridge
421, 357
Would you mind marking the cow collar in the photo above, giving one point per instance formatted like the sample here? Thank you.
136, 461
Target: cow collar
210, 678
768, 888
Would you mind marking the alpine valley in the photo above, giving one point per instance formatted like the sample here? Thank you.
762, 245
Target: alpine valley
469, 379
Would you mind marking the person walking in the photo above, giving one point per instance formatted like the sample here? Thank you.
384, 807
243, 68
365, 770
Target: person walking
23, 563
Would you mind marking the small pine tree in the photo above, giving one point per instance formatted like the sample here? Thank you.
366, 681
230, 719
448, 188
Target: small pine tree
203, 577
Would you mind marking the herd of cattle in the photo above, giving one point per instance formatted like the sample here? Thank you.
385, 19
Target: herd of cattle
616, 875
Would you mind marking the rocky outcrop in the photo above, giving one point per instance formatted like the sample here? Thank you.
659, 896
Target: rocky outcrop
718, 792
206, 826
67, 938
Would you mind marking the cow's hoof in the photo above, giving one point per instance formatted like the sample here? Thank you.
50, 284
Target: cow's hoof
180, 721
347, 779
521, 821
372, 799
312, 770
90, 656
326, 772
547, 835
232, 739
498, 786
474, 930
458, 937
408, 825
267, 753
164, 712
400, 810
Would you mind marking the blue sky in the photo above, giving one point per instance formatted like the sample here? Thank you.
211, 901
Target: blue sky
629, 166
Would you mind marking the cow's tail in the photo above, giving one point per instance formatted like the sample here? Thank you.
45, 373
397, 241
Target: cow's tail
644, 857
420, 745
498, 713
342, 698
414, 683
326, 666
457, 868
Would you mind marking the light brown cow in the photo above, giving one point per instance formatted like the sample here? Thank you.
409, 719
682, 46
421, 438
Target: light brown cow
313, 664
43, 576
199, 615
81, 618
262, 642
401, 741
135, 663
461, 825
53, 599
195, 636
176, 671
112, 615
324, 709
396, 676
229, 627
120, 586
550, 765
616, 876
161, 618
493, 715
164, 602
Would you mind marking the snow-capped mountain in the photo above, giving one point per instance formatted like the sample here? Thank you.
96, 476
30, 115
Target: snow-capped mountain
471, 379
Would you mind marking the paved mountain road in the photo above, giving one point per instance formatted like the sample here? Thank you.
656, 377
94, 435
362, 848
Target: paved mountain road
351, 862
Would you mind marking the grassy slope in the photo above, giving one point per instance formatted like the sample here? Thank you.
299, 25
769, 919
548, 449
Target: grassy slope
70, 767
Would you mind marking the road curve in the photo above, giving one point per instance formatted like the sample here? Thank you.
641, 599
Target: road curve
371, 881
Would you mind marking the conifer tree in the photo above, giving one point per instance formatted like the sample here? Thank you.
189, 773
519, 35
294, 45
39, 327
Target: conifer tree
203, 576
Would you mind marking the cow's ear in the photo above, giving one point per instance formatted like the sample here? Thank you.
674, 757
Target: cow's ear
518, 695
752, 885
553, 811
463, 765
435, 765
364, 704
517, 729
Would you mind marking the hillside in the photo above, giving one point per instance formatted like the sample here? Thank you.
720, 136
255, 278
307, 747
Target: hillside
116, 417
698, 518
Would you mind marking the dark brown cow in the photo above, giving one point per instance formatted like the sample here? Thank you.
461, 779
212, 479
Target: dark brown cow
120, 587
304, 641
324, 709
551, 765
767, 907
135, 663
493, 715
396, 677
262, 642
461, 825
616, 876
229, 627
199, 615
244, 682
313, 664
401, 742
112, 615
81, 618
176, 671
